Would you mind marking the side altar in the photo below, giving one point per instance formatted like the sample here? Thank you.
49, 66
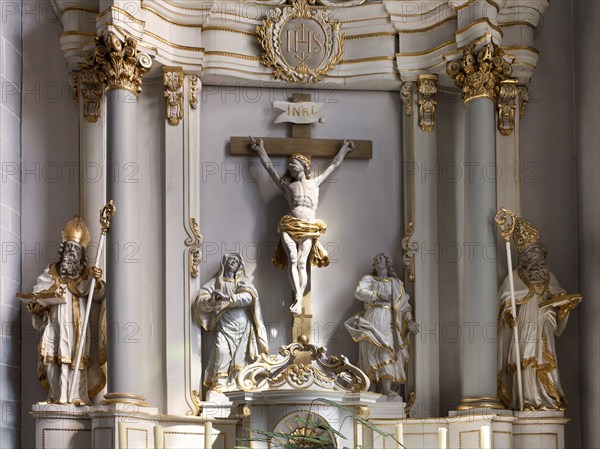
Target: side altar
270, 290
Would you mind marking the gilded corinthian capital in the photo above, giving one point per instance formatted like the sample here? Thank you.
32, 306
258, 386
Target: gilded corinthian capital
480, 71
119, 63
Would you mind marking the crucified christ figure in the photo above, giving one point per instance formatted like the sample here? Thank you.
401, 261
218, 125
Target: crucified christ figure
299, 228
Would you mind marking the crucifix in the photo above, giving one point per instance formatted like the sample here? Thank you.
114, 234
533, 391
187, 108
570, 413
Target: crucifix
299, 247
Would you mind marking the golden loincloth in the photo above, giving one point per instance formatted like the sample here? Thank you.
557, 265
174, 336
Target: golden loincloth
299, 230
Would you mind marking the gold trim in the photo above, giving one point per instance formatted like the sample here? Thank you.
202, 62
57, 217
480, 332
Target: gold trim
125, 13
232, 55
369, 35
229, 30
432, 27
78, 8
187, 8
166, 19
516, 23
470, 2
135, 429
176, 46
425, 52
195, 254
522, 47
76, 33
369, 19
443, 5
55, 429
478, 22
368, 59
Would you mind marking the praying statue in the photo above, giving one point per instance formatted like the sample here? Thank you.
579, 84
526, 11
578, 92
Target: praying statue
299, 228
382, 329
543, 309
58, 305
228, 304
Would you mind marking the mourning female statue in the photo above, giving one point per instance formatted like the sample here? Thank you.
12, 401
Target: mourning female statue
383, 328
228, 305
542, 313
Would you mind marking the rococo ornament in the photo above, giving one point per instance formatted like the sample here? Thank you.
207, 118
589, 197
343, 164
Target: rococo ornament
120, 65
173, 81
407, 94
508, 98
90, 88
428, 88
321, 373
480, 71
301, 43
193, 243
410, 250
195, 86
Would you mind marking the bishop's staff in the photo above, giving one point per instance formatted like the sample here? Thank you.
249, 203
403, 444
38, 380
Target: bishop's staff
507, 220
106, 215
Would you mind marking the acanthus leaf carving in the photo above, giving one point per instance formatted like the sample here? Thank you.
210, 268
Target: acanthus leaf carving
173, 81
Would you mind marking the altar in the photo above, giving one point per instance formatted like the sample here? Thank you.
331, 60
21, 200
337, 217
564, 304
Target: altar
293, 182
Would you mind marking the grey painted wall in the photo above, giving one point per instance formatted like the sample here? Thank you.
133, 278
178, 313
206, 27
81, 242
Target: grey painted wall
10, 224
587, 137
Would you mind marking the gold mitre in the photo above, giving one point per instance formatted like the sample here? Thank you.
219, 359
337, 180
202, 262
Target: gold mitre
301, 158
76, 231
525, 234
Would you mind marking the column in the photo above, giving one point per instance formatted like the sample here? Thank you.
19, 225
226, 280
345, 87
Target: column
421, 239
478, 74
123, 67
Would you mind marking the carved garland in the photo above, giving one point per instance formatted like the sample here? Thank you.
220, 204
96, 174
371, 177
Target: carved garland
407, 94
508, 98
410, 250
193, 243
278, 21
91, 89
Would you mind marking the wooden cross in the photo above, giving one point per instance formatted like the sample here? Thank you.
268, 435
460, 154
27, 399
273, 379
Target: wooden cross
301, 142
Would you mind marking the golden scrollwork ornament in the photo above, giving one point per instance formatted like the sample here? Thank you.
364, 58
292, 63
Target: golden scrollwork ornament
300, 42
91, 89
173, 81
428, 89
193, 243
508, 97
407, 95
410, 251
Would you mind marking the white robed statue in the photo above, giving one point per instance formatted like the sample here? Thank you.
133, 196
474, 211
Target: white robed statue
382, 329
543, 309
228, 304
58, 305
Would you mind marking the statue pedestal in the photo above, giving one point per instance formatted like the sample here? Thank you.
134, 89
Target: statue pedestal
124, 426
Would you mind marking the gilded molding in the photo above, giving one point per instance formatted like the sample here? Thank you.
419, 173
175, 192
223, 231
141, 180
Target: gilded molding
407, 95
90, 89
119, 63
193, 243
195, 86
479, 73
173, 81
427, 88
507, 105
523, 100
410, 251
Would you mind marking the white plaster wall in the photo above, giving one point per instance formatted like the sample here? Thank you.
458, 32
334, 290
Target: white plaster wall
549, 195
10, 223
587, 136
362, 203
49, 187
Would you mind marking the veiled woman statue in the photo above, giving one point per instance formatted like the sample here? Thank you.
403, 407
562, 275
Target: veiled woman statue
228, 305
382, 329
